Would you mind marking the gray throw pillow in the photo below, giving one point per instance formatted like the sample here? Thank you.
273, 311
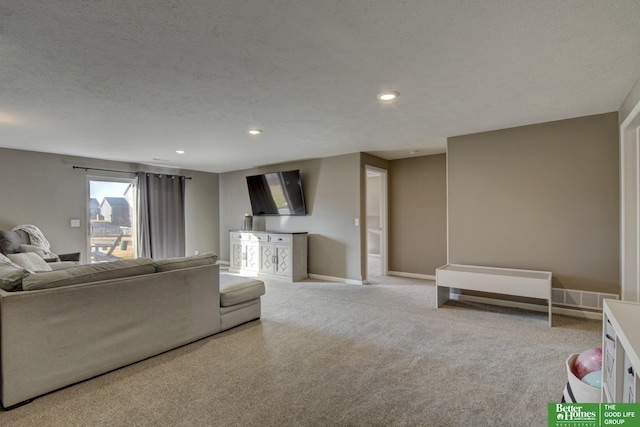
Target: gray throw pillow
30, 261
3, 258
42, 252
10, 276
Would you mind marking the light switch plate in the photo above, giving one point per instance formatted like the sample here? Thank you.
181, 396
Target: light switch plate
75, 223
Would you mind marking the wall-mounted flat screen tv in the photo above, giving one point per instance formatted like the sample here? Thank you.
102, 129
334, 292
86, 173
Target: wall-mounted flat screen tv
277, 193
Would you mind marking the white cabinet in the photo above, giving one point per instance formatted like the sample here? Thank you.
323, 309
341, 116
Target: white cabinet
244, 252
620, 347
282, 255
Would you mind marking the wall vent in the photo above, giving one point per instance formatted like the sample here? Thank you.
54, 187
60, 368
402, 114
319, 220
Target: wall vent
584, 299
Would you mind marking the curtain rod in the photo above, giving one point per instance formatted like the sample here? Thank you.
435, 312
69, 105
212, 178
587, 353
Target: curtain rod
113, 170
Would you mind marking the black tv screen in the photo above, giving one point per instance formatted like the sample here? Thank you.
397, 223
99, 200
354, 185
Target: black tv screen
277, 193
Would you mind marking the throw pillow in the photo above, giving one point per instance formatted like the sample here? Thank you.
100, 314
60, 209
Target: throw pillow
10, 276
42, 252
3, 258
30, 261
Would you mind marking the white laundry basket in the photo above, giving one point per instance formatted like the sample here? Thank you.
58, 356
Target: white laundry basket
582, 392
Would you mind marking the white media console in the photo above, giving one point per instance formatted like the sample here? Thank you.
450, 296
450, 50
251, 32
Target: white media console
507, 281
268, 253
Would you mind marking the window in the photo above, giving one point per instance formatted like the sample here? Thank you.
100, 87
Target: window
111, 219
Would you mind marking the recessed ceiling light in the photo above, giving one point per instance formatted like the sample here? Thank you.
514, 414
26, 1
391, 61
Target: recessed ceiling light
181, 151
255, 131
388, 95
413, 152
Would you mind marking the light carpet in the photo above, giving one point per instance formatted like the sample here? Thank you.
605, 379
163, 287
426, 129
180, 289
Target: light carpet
331, 354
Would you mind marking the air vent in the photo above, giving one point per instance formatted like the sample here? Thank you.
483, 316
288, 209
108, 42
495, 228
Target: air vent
584, 299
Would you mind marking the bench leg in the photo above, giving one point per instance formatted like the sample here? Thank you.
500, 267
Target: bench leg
443, 295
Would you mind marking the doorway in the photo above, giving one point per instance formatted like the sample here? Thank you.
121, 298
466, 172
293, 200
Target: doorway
376, 222
111, 219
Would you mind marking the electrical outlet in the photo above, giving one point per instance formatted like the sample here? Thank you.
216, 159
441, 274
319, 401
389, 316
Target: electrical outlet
75, 223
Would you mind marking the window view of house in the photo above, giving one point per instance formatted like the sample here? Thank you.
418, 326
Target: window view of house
111, 220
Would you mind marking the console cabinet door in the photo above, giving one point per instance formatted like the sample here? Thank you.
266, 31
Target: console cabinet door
236, 255
283, 260
267, 259
252, 257
245, 256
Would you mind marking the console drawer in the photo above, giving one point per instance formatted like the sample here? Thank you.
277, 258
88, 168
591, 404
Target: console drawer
280, 238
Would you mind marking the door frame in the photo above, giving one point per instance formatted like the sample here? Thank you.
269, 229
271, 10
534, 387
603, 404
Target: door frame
384, 221
630, 206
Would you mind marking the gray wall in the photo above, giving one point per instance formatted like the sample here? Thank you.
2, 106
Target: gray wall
44, 190
539, 197
418, 214
331, 189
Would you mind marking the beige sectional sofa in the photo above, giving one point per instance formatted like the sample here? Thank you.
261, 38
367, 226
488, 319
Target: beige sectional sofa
69, 325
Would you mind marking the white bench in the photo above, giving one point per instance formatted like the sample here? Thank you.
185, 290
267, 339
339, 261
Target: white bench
508, 281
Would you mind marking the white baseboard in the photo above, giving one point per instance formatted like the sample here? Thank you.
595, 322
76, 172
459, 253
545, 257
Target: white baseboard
361, 282
411, 275
335, 279
224, 263
531, 307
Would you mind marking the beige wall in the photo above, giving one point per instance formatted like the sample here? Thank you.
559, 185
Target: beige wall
418, 214
44, 190
331, 189
539, 197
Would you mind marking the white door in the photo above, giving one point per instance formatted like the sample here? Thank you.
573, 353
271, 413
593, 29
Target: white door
376, 221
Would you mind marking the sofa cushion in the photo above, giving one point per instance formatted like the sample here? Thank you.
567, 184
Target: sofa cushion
186, 262
30, 261
10, 241
11, 275
238, 289
88, 273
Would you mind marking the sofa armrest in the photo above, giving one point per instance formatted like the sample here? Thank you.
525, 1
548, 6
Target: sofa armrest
75, 256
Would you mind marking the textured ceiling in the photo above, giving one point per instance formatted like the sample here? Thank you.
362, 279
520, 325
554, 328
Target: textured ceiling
136, 80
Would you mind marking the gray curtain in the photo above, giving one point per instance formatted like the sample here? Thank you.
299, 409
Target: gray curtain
161, 229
